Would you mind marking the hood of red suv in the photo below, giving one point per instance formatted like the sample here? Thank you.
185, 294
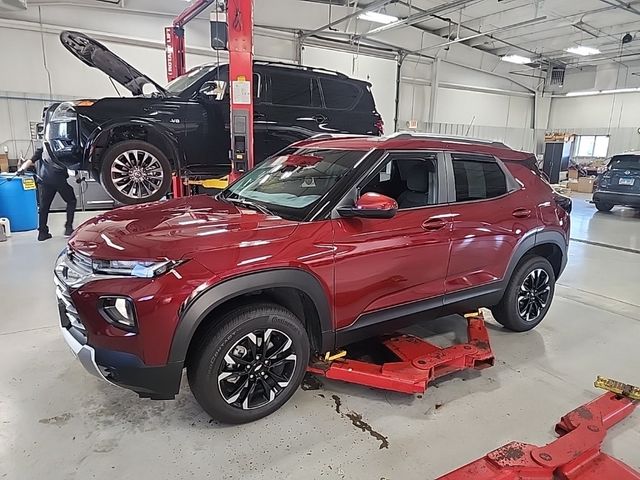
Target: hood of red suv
175, 229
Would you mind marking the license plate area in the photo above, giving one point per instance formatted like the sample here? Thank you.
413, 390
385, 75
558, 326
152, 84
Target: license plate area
626, 181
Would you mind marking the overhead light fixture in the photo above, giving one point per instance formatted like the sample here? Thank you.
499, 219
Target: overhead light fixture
378, 17
520, 60
587, 93
583, 51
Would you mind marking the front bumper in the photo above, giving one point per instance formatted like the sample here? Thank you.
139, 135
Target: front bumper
126, 370
119, 368
628, 199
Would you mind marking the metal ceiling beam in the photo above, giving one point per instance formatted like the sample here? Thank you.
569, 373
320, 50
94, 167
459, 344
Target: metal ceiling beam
367, 8
466, 28
622, 5
482, 34
418, 17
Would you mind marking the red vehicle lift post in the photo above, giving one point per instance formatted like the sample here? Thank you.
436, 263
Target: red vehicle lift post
240, 28
240, 45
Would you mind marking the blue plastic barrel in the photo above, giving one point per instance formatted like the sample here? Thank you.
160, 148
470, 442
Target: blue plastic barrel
18, 202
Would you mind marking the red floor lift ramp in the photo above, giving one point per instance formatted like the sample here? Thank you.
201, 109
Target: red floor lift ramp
575, 455
418, 361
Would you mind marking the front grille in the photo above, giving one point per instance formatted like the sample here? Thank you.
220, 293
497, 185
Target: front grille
81, 261
68, 313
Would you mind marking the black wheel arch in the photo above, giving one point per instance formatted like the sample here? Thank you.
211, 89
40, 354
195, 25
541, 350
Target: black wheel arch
132, 129
311, 305
548, 244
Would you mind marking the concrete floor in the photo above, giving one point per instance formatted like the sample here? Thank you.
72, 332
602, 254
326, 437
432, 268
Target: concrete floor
58, 422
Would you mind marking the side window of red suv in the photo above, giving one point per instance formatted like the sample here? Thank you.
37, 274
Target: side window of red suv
477, 177
411, 180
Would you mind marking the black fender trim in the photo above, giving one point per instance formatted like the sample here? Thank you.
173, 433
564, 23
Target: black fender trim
196, 311
106, 129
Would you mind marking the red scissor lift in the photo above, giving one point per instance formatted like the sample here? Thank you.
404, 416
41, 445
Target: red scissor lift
417, 363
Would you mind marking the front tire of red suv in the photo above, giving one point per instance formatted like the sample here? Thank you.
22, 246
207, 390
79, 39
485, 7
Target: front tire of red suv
247, 365
528, 296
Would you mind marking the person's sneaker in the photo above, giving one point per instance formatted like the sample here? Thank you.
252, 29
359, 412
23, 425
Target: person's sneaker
42, 236
68, 231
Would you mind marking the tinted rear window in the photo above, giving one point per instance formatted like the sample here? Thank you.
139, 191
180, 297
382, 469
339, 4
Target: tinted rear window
477, 179
625, 162
338, 94
294, 90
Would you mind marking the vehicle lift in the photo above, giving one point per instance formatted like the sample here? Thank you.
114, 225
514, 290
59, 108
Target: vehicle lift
576, 455
239, 20
418, 361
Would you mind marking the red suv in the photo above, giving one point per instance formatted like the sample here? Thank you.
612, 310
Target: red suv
333, 240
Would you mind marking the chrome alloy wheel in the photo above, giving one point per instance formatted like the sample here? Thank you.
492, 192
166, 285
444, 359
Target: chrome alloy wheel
533, 295
257, 368
137, 174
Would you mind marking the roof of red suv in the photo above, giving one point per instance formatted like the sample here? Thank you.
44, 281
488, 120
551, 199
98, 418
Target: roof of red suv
414, 141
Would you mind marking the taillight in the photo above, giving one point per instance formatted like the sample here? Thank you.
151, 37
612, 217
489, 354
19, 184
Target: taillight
380, 126
563, 202
602, 180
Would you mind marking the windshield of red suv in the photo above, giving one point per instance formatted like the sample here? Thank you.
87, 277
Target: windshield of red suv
625, 162
292, 185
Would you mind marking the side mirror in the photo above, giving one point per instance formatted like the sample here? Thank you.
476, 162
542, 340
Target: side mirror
371, 205
213, 90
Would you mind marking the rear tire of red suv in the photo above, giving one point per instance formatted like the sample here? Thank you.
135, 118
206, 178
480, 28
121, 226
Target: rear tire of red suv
247, 365
528, 296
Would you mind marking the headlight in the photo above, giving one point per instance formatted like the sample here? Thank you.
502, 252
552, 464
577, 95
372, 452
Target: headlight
64, 112
134, 268
119, 311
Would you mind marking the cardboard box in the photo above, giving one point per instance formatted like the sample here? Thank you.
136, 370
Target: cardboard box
573, 185
4, 163
573, 174
585, 184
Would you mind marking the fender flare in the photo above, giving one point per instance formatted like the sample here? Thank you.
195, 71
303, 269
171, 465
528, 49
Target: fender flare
105, 130
532, 241
197, 310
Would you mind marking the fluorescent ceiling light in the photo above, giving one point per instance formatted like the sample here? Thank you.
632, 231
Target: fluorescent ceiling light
378, 17
520, 60
583, 51
587, 93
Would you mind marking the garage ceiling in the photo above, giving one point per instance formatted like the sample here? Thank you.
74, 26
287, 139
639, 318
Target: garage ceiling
541, 30
538, 29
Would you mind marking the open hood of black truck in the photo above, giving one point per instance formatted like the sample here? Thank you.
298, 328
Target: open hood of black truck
98, 56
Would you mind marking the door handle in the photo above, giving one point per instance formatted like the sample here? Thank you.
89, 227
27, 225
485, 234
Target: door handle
259, 116
319, 118
521, 213
433, 224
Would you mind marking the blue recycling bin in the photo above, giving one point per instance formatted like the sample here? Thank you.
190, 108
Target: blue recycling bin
18, 201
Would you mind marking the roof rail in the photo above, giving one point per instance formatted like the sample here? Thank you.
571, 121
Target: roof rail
300, 67
326, 136
452, 138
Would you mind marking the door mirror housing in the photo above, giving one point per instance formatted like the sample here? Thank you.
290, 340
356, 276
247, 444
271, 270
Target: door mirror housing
371, 205
213, 90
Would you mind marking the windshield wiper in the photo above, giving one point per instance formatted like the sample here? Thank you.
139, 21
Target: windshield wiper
249, 204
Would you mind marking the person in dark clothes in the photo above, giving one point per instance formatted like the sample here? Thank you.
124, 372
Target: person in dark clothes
52, 179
